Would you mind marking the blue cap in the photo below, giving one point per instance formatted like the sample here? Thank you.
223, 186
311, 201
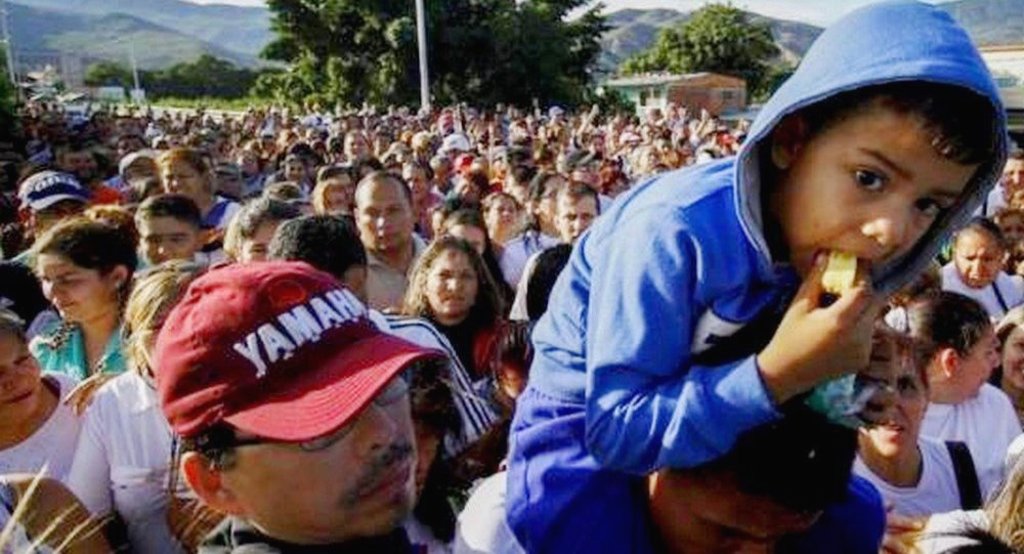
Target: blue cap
46, 188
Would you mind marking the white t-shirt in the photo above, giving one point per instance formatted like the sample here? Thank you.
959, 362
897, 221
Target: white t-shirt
994, 202
519, 312
517, 252
1010, 291
987, 423
53, 444
124, 453
482, 527
936, 492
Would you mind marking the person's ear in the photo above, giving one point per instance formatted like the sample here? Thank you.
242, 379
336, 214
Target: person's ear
207, 482
119, 276
787, 139
949, 362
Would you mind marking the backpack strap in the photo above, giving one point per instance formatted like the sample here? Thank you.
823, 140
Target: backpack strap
966, 475
999, 296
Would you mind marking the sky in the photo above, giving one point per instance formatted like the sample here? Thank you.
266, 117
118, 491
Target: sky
818, 12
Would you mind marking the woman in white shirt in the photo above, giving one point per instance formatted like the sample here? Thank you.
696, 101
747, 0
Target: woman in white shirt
36, 429
913, 474
126, 446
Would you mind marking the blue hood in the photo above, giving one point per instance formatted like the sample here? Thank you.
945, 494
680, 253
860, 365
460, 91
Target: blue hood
877, 44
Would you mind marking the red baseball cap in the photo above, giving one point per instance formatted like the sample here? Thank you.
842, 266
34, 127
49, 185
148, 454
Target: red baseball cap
276, 349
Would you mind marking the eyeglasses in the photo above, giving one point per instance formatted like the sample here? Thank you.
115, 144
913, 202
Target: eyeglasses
396, 390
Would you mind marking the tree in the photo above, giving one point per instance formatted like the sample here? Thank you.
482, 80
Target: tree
717, 38
480, 51
108, 74
206, 77
9, 122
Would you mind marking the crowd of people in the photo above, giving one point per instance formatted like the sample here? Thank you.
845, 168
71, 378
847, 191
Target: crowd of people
504, 330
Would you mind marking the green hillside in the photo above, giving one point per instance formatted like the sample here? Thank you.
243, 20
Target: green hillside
109, 37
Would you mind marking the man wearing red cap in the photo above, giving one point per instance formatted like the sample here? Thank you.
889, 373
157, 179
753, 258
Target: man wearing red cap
293, 414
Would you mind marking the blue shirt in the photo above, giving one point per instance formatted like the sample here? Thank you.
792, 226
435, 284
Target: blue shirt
61, 349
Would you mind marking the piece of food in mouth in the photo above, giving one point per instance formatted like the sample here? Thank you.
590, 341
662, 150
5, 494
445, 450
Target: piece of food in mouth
840, 273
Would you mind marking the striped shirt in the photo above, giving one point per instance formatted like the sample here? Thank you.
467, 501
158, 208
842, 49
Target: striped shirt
475, 410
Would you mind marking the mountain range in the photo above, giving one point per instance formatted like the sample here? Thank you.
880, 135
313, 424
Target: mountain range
164, 32
632, 31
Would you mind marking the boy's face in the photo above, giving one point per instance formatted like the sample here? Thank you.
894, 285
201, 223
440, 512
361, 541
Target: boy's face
573, 216
167, 238
870, 185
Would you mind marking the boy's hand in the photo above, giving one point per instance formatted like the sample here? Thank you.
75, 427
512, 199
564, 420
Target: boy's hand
703, 511
814, 344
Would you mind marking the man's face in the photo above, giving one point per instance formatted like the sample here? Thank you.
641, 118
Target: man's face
384, 216
362, 485
167, 238
41, 221
870, 185
978, 258
573, 216
79, 163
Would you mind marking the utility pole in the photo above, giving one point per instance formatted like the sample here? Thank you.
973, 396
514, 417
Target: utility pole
135, 71
8, 46
421, 39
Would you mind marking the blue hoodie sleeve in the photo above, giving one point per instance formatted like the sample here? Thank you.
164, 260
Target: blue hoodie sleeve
647, 406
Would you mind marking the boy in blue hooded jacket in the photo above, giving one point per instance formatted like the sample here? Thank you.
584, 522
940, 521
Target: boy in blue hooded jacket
656, 351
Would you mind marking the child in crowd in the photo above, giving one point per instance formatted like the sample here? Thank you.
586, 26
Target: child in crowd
170, 228
663, 347
977, 269
962, 350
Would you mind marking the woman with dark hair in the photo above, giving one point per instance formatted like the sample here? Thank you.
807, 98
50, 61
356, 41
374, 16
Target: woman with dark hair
86, 270
540, 233
468, 224
451, 287
121, 464
36, 429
